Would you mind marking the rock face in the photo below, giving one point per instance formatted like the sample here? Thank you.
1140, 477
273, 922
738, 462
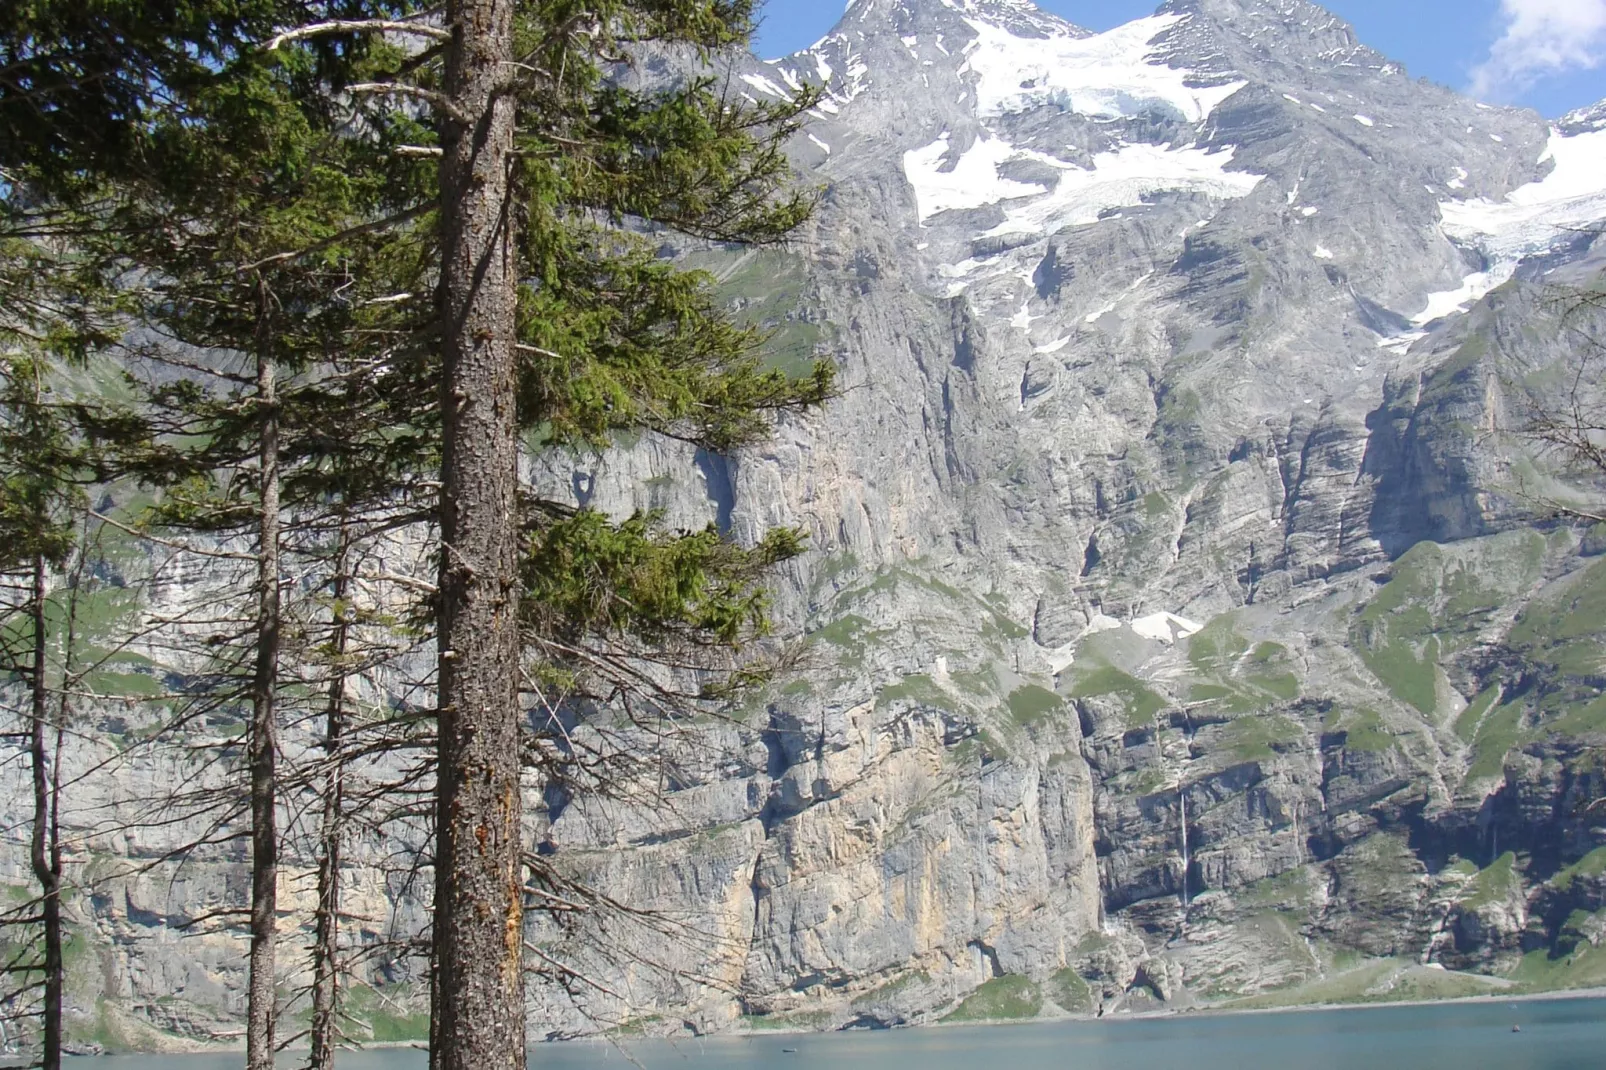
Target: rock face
1176, 627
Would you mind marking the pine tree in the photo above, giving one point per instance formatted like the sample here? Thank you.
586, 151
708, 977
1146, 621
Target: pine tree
37, 498
112, 112
473, 193
560, 318
556, 318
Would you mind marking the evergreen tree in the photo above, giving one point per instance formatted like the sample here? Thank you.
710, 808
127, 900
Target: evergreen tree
37, 499
557, 315
464, 202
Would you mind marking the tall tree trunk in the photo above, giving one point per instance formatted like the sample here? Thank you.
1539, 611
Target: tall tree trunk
326, 939
260, 1010
46, 861
478, 935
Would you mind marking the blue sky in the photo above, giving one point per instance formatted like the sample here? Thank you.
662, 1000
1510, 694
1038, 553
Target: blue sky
1545, 54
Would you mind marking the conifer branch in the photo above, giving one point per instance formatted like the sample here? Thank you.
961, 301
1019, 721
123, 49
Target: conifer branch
345, 235
320, 29
439, 101
168, 543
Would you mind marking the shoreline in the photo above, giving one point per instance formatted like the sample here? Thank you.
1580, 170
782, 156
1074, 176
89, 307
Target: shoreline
1211, 1010
1115, 1018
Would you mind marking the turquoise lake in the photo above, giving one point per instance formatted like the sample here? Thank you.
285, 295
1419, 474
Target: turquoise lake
1555, 1034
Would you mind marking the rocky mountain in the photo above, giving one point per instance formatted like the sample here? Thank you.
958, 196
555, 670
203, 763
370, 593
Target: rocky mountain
1178, 626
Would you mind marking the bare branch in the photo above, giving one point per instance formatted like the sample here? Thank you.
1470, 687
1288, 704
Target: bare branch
439, 101
321, 29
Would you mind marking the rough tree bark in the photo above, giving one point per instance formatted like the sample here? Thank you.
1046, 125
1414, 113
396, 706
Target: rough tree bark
478, 937
326, 938
44, 851
262, 755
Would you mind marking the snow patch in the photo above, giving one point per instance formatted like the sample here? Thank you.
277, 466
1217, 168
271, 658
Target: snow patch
1057, 345
1530, 220
821, 144
1061, 658
1165, 627
1460, 179
1449, 302
1323, 253
764, 85
972, 182
1101, 623
1124, 178
1364, 120
1399, 343
1110, 75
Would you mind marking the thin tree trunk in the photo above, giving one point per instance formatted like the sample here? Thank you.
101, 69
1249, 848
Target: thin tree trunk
46, 862
326, 939
260, 1010
478, 933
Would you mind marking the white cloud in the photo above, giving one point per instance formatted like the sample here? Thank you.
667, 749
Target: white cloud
1541, 37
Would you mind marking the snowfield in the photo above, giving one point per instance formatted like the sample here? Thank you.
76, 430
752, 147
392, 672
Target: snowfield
1108, 76
1529, 221
1123, 178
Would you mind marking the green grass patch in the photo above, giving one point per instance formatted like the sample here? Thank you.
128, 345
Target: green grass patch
917, 689
844, 631
1580, 718
1293, 888
1284, 685
1001, 999
851, 634
1494, 883
1498, 733
1070, 991
1259, 737
1363, 730
1579, 965
1410, 676
1591, 865
391, 1017
1578, 612
1216, 646
1142, 704
1031, 704
1466, 725
801, 1021
1348, 986
1435, 602
1376, 981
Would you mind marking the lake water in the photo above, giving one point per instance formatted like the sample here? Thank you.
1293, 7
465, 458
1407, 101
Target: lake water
1556, 1035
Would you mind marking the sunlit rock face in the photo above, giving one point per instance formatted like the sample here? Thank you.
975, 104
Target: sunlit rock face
1164, 351
1175, 626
